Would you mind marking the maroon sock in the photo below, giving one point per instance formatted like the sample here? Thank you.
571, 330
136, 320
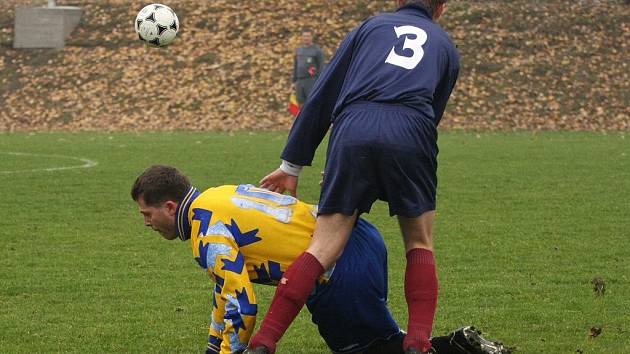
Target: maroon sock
294, 289
421, 292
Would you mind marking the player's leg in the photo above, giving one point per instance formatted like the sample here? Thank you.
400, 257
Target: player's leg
421, 284
418, 231
350, 310
411, 195
409, 172
343, 196
330, 237
408, 169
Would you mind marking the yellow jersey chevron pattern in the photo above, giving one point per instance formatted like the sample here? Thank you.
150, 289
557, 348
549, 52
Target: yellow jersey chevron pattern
242, 235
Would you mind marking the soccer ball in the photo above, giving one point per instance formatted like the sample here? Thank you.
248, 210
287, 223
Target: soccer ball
157, 25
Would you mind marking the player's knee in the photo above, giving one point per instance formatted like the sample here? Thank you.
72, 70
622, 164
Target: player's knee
326, 257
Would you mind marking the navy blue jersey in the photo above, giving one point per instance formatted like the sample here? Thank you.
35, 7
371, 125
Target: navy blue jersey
401, 58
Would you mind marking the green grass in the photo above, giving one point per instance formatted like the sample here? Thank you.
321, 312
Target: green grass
525, 221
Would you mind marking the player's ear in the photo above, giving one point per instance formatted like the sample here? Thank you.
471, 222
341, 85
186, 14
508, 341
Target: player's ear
171, 207
439, 10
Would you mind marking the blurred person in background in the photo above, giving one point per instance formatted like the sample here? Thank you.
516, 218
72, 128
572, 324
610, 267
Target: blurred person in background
307, 65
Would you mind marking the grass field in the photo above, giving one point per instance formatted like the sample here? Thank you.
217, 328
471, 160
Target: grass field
525, 221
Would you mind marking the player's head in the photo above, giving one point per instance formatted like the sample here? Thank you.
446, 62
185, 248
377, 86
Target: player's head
307, 36
436, 7
158, 191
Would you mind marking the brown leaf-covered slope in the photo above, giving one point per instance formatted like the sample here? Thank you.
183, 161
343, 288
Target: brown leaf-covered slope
525, 65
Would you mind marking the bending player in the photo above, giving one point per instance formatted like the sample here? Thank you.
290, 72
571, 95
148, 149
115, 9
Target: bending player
242, 235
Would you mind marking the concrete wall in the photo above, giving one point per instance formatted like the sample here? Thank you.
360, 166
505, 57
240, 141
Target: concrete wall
44, 27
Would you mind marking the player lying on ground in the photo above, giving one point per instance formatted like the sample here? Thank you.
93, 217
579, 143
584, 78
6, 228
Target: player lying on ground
243, 235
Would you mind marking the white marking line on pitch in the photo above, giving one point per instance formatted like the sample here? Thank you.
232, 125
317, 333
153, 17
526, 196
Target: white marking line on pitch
86, 162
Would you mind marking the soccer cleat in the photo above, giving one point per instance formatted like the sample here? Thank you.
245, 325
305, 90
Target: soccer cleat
469, 340
257, 350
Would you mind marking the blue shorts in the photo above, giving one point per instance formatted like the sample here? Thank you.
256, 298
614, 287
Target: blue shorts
380, 151
350, 310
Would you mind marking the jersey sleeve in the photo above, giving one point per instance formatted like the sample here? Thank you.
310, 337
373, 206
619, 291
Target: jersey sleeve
446, 85
315, 117
234, 305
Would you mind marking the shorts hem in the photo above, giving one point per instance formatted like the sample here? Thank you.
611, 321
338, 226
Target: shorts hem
341, 210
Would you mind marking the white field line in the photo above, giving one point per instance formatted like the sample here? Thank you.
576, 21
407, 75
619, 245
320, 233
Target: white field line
87, 163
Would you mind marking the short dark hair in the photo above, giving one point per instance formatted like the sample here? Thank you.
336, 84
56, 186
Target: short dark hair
160, 183
431, 5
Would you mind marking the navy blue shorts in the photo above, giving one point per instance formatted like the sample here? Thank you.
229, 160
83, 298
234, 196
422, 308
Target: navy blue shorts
350, 310
380, 151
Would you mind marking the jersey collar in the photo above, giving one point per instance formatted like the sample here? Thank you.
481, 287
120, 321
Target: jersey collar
415, 9
181, 219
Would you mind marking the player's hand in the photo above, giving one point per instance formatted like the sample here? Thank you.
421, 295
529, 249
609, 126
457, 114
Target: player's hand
278, 181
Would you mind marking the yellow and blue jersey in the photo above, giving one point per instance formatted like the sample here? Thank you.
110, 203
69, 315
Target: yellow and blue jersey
242, 235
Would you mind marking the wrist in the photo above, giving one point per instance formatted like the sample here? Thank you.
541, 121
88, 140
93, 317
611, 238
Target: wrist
290, 168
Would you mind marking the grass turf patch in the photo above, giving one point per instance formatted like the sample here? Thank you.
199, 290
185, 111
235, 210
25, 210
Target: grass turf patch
525, 221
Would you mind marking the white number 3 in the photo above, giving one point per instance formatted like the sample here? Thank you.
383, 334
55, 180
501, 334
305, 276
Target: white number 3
414, 44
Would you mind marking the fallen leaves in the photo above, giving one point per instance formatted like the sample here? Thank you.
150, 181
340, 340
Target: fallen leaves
599, 286
230, 68
595, 331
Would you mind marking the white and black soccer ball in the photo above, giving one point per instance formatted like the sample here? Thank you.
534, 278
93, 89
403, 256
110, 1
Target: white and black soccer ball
157, 25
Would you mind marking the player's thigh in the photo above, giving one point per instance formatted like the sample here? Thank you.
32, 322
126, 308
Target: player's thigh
407, 167
332, 232
348, 184
351, 310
